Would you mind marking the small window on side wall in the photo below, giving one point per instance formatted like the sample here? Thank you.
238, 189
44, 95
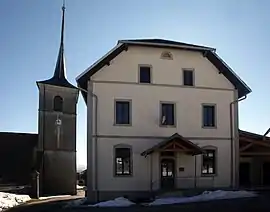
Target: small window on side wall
145, 74
122, 112
123, 161
188, 77
209, 162
58, 104
167, 55
209, 116
167, 114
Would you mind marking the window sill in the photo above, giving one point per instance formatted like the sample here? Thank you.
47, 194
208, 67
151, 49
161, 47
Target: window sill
167, 126
123, 175
189, 86
208, 175
209, 127
145, 83
122, 125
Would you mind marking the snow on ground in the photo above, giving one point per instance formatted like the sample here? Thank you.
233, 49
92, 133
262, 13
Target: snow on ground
8, 200
205, 196
118, 202
80, 187
52, 197
76, 202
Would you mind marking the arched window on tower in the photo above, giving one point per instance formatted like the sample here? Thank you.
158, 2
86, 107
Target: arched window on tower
58, 104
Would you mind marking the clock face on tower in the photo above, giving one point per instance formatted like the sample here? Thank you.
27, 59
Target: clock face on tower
58, 124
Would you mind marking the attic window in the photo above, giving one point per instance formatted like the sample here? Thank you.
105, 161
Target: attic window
166, 55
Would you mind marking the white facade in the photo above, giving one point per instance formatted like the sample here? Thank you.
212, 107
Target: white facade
120, 81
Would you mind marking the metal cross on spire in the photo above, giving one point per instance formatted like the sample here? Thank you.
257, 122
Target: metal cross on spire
60, 68
63, 22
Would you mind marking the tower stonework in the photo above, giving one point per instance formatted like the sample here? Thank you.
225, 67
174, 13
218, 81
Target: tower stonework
57, 130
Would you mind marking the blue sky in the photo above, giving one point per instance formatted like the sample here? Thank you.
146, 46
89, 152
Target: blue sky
30, 34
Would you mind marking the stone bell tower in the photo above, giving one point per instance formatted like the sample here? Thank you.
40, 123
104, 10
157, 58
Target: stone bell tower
57, 129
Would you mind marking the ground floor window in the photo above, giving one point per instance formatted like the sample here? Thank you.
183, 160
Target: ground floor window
123, 161
209, 162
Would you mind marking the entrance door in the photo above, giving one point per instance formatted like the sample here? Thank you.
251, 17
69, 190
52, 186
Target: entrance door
167, 173
244, 174
266, 173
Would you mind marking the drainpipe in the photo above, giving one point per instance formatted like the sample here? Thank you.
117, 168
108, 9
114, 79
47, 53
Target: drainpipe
231, 134
95, 141
43, 138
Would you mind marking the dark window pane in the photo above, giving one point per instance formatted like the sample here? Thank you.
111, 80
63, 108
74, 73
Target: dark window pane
145, 74
122, 115
167, 116
58, 104
188, 78
122, 161
209, 116
208, 163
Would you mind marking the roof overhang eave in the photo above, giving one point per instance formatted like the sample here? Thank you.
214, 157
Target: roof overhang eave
167, 45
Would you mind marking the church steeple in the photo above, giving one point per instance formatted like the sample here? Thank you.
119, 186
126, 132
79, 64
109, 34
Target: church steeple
60, 68
59, 77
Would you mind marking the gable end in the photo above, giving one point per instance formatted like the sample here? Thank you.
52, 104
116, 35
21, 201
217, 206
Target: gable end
207, 52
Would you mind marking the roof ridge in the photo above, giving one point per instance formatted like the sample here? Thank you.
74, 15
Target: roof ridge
165, 42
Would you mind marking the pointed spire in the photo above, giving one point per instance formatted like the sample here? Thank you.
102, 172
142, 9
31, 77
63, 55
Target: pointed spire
63, 22
60, 68
59, 77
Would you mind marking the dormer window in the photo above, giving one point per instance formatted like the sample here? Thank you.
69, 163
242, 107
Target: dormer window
166, 55
58, 104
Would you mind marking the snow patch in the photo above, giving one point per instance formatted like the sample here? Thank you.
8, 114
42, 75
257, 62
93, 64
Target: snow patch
51, 197
76, 202
8, 200
118, 202
205, 196
80, 187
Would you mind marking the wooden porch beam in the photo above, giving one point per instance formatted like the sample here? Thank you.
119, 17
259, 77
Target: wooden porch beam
256, 142
245, 147
180, 146
254, 153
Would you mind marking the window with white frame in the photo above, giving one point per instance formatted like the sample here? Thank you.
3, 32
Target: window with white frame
144, 74
122, 112
123, 161
188, 77
209, 115
209, 162
167, 114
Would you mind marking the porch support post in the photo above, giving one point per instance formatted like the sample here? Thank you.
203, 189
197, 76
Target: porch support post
151, 172
195, 171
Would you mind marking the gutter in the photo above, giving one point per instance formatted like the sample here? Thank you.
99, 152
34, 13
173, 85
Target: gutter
231, 134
